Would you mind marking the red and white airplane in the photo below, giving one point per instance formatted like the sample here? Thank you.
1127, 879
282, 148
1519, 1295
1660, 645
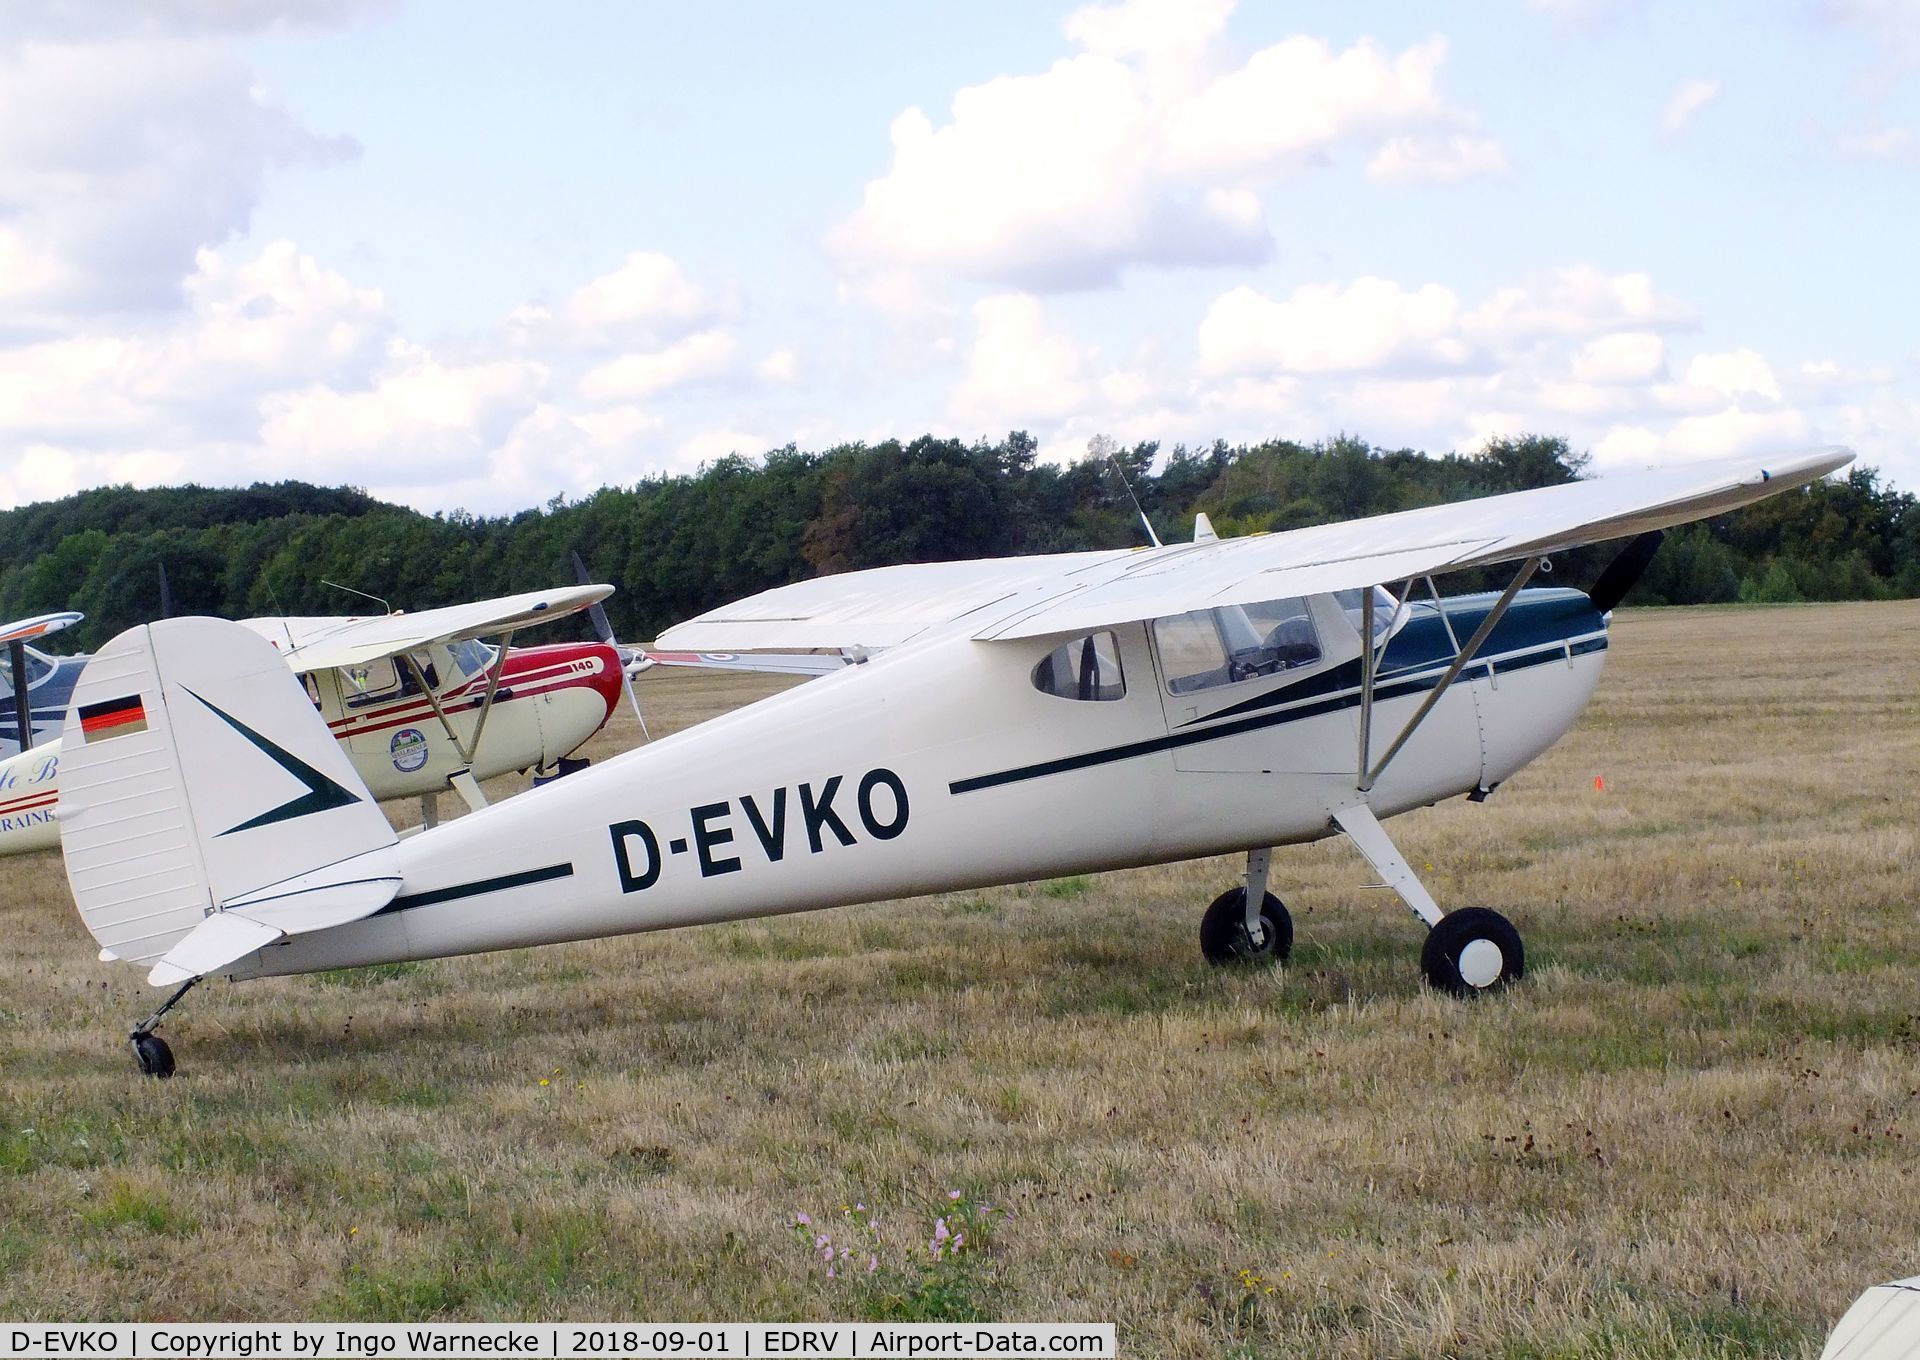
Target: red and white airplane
417, 702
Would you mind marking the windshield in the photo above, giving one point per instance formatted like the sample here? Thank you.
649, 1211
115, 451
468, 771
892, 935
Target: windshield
470, 657
1385, 606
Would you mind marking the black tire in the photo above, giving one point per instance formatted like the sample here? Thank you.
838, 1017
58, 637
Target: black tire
1223, 930
153, 1055
1451, 967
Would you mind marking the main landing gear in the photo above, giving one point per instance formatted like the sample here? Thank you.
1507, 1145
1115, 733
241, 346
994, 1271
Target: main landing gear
1231, 933
1467, 952
149, 1049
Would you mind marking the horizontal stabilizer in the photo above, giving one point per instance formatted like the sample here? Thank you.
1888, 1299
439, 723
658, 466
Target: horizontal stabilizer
221, 939
320, 899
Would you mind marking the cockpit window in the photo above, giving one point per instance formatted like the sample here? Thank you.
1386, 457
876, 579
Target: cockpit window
377, 680
470, 657
1231, 643
1086, 668
39, 667
1384, 608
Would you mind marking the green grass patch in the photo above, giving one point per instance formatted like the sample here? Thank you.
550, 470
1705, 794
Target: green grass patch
126, 1205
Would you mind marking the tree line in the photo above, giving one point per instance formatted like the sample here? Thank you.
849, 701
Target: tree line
676, 545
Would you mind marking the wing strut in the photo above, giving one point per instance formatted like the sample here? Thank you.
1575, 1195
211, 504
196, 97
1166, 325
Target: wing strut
22, 701
493, 688
463, 781
1368, 775
420, 679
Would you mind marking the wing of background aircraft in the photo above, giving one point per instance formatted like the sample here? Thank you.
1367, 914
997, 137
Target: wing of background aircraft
316, 644
767, 663
1080, 592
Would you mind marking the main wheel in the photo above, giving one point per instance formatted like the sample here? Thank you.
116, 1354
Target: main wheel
153, 1055
1473, 950
1223, 930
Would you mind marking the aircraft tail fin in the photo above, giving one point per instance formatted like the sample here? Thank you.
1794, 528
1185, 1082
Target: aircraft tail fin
206, 810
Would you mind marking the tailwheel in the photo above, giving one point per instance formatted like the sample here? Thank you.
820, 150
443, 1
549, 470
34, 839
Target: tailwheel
1473, 950
153, 1055
1226, 936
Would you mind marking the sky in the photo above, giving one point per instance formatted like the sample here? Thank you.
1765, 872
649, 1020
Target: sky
477, 255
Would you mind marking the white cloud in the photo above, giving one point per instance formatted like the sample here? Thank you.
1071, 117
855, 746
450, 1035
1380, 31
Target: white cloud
1371, 325
646, 303
275, 320
1575, 302
1437, 160
1019, 369
781, 366
649, 291
1135, 152
1687, 100
1578, 352
280, 317
698, 358
1623, 357
1737, 373
421, 416
119, 161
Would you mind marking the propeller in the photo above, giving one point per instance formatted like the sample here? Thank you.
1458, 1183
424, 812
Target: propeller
603, 629
1625, 571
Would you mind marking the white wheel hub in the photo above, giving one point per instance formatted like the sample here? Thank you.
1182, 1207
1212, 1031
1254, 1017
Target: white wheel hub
1481, 963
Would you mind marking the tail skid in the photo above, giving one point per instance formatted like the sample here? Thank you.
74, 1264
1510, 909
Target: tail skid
206, 810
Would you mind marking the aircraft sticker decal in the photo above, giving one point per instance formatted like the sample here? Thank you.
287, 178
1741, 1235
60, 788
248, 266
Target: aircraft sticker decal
322, 793
113, 718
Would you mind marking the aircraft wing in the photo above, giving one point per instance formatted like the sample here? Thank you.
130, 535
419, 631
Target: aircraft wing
26, 630
881, 607
315, 644
1076, 592
767, 663
1388, 548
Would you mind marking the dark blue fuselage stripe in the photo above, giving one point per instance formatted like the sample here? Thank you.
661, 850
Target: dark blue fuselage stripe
476, 888
1175, 740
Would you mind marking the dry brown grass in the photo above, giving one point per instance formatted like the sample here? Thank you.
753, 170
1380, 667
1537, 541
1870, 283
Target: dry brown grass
1691, 1132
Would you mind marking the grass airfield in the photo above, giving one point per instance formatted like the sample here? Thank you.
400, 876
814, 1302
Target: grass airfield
1693, 1130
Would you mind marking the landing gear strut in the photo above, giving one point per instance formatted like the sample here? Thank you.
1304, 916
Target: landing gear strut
1233, 931
149, 1049
1467, 951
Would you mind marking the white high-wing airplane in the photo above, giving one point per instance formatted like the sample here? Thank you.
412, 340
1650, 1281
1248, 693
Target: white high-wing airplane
1027, 718
409, 697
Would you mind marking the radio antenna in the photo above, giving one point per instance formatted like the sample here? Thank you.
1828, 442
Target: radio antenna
1145, 523
385, 608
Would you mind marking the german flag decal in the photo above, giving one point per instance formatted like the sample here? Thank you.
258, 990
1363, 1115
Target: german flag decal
113, 718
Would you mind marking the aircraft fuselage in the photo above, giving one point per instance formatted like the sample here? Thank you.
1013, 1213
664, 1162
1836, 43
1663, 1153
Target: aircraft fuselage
949, 764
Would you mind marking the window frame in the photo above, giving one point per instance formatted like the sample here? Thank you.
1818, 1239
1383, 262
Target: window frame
1086, 642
